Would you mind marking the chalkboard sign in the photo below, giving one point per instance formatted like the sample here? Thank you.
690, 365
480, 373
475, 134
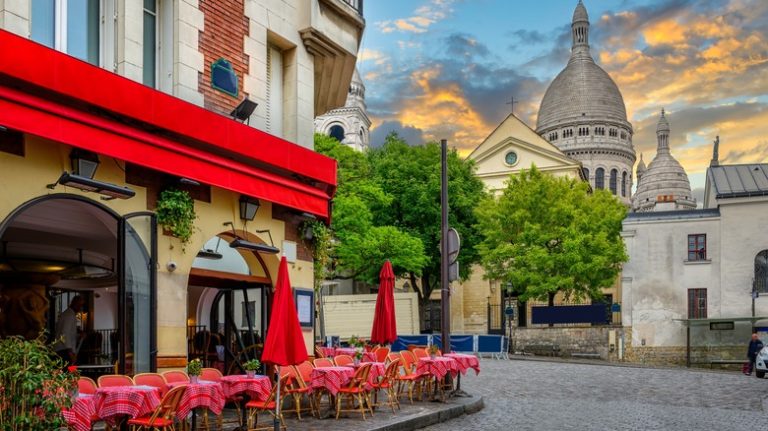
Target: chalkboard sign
509, 311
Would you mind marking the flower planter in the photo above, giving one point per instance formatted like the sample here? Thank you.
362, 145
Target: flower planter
250, 373
194, 379
357, 362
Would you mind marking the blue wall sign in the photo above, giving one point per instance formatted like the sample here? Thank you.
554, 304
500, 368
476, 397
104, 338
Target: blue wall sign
223, 77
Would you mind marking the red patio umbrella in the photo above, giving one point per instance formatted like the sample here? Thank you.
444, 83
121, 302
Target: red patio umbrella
384, 326
285, 341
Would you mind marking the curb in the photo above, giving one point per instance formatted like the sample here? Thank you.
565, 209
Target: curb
448, 412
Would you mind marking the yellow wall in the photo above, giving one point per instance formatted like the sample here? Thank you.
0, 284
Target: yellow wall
25, 178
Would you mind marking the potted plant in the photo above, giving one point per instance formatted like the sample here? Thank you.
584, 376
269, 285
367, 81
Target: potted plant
358, 344
432, 351
194, 369
251, 367
176, 214
76, 390
34, 386
358, 355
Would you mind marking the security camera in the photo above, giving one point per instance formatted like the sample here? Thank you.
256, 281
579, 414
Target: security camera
171, 266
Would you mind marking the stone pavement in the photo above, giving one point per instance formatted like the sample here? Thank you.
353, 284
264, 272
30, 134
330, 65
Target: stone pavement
543, 395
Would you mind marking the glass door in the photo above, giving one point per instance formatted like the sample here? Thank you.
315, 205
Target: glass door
138, 293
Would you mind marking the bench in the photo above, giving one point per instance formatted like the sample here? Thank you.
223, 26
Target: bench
726, 362
542, 349
586, 355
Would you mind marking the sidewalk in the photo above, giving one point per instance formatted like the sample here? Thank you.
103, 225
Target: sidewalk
409, 417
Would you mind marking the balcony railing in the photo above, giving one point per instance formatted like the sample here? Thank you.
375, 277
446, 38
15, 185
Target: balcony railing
356, 5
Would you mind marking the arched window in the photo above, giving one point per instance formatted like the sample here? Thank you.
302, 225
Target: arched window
761, 272
336, 131
624, 184
600, 178
614, 179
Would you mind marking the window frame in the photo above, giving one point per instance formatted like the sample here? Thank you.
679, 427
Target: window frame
600, 176
695, 253
697, 297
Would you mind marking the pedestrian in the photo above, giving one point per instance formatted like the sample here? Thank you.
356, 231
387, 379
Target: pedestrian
66, 345
755, 345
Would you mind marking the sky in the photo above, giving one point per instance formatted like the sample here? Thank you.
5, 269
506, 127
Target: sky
447, 69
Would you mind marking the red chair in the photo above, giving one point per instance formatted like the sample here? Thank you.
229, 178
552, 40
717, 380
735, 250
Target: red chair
163, 416
152, 379
420, 353
268, 405
343, 360
356, 391
319, 352
393, 356
115, 380
86, 385
323, 362
388, 384
176, 377
381, 354
297, 388
409, 375
211, 374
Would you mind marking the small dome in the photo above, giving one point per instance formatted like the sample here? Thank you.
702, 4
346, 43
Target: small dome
580, 13
641, 166
663, 125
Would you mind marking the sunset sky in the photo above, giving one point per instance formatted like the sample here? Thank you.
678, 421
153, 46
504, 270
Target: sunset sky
447, 69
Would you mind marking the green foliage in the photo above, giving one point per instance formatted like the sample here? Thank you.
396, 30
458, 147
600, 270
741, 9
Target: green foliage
194, 367
252, 365
322, 247
361, 246
176, 213
548, 234
34, 387
411, 175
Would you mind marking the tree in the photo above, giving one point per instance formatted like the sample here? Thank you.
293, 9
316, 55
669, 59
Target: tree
410, 175
547, 234
361, 246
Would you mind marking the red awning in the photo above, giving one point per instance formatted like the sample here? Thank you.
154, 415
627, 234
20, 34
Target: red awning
52, 95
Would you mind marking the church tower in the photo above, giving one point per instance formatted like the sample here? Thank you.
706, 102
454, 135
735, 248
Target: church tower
664, 186
349, 124
583, 114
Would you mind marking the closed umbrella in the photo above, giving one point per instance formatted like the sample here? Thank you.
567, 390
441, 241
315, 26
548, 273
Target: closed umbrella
384, 329
284, 345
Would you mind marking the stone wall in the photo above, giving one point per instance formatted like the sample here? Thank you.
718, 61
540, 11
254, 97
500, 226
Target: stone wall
570, 340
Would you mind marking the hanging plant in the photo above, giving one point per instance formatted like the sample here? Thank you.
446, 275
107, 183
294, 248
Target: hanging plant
176, 213
319, 235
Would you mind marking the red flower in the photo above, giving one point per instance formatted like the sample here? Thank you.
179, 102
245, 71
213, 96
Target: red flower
72, 369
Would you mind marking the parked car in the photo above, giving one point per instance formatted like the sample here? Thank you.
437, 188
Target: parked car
761, 364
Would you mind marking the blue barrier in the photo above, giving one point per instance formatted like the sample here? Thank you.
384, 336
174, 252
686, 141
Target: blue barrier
403, 341
594, 313
495, 345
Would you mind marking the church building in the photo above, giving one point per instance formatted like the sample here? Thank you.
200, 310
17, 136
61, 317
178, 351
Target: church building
349, 124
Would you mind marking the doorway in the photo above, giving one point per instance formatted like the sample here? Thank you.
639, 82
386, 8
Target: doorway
60, 246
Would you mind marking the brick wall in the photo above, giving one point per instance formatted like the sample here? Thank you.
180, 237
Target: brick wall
292, 231
226, 27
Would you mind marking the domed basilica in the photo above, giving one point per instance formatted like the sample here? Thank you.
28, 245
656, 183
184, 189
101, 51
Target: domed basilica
583, 114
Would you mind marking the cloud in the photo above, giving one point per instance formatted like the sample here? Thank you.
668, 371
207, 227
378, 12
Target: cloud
464, 45
423, 17
377, 57
410, 134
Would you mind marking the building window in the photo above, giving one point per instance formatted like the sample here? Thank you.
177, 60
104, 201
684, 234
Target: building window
761, 272
697, 303
274, 91
623, 135
71, 26
612, 184
697, 247
336, 132
150, 43
431, 320
600, 178
624, 184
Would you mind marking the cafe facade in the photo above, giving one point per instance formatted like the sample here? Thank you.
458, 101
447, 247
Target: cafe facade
111, 110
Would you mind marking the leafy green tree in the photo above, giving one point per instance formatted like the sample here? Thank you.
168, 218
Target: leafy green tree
361, 246
547, 234
410, 175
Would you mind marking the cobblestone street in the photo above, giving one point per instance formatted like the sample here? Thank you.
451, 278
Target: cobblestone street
527, 395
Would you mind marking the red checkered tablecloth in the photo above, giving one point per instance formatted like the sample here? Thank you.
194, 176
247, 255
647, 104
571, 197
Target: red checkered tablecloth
203, 394
331, 378
131, 401
81, 413
465, 362
438, 367
345, 351
329, 352
258, 388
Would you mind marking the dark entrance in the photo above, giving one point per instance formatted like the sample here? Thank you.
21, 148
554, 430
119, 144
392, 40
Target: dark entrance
61, 245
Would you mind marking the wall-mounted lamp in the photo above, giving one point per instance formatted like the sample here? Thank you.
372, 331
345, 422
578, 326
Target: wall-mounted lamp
84, 163
244, 110
248, 207
209, 254
91, 185
243, 244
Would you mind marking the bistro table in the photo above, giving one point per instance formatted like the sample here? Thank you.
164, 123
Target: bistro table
256, 388
81, 414
438, 367
132, 401
204, 393
465, 362
329, 379
378, 369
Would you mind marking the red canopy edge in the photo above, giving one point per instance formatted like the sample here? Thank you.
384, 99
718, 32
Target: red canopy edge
79, 129
47, 68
